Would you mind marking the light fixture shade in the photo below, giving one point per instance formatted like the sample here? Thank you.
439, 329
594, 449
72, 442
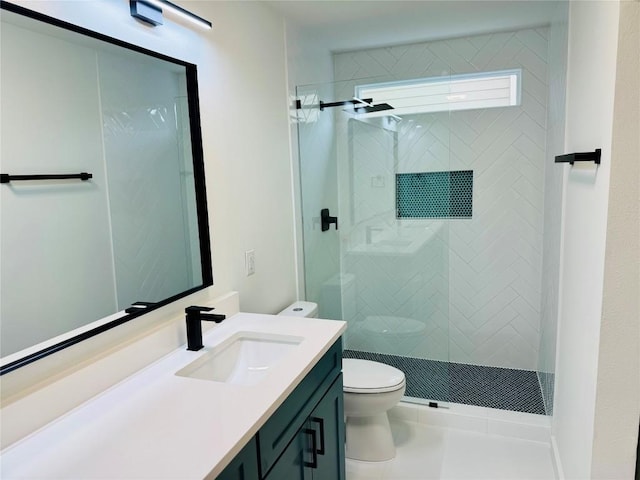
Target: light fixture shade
146, 12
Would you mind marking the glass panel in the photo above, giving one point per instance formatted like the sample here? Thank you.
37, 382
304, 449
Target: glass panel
319, 190
386, 276
485, 284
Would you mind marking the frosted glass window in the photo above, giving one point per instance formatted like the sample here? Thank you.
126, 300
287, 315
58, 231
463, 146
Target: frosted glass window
447, 93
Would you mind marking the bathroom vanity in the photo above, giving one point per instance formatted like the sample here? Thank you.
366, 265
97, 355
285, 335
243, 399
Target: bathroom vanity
304, 438
214, 413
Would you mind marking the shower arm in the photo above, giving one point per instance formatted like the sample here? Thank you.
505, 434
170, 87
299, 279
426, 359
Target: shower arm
324, 105
358, 101
359, 105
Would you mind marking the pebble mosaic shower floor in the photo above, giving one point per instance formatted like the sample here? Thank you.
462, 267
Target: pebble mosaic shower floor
503, 388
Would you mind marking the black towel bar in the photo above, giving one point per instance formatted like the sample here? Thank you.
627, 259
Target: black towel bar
6, 178
580, 157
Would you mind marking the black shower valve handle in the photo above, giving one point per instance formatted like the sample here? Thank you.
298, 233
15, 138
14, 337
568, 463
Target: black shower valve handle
326, 220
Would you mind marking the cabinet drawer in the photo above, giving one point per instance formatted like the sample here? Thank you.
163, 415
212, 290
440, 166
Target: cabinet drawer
283, 425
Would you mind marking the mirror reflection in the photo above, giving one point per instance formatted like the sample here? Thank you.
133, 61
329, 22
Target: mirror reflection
74, 251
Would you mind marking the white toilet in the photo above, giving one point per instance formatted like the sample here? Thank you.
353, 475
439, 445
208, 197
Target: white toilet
370, 390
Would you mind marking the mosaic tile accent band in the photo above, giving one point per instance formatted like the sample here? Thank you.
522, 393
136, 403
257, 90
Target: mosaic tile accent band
434, 194
493, 387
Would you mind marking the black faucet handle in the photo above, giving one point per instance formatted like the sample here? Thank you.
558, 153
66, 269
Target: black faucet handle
213, 317
197, 309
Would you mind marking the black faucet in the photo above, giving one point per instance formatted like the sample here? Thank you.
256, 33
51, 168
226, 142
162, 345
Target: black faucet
194, 325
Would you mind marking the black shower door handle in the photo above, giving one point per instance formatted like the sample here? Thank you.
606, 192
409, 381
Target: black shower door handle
326, 220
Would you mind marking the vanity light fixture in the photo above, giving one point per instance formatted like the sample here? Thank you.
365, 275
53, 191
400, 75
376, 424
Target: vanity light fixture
150, 11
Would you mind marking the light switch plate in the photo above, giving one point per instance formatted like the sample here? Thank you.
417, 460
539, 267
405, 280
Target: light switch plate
250, 262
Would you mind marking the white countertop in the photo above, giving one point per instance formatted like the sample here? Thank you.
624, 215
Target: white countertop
157, 425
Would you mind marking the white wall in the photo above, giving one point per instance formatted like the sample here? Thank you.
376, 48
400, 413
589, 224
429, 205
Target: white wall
243, 103
593, 32
618, 389
244, 108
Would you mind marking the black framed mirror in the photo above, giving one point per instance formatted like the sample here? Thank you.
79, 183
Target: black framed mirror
81, 254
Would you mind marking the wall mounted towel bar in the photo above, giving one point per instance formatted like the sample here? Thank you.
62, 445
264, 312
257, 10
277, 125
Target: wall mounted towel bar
6, 178
580, 157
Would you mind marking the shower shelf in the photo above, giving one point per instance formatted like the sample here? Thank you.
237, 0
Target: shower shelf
580, 157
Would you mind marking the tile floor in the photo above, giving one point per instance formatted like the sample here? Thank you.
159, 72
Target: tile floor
501, 388
429, 452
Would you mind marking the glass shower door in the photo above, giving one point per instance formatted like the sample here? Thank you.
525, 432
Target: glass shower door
384, 270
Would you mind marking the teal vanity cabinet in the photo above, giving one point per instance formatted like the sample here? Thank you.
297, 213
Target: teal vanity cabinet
244, 466
304, 438
317, 449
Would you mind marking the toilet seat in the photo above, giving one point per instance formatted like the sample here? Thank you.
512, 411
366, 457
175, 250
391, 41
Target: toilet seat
365, 376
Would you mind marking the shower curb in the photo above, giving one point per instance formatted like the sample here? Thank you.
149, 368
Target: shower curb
524, 426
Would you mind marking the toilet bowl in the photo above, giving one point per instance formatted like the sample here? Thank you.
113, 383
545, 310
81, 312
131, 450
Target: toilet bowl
370, 390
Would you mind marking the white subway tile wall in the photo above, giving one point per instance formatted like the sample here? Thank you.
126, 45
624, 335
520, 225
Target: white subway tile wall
477, 287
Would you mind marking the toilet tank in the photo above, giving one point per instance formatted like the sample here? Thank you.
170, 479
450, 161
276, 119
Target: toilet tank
301, 309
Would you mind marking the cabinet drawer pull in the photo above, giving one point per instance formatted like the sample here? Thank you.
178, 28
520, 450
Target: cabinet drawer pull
320, 422
314, 447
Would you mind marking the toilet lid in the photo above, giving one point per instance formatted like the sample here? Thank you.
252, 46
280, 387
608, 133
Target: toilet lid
365, 376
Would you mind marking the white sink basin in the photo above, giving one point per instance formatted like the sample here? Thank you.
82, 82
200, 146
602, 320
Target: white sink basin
245, 358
